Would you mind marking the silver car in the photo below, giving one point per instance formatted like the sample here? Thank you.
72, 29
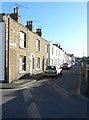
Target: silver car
52, 70
65, 66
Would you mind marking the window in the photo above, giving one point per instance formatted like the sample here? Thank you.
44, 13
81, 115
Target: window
52, 61
56, 52
22, 39
46, 48
22, 63
37, 45
58, 61
55, 61
47, 62
38, 63
52, 50
59, 52
51, 68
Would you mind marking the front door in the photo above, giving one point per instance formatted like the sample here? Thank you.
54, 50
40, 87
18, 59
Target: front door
43, 63
32, 65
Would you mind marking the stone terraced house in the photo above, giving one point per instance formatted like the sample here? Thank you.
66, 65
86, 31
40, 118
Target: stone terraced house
25, 50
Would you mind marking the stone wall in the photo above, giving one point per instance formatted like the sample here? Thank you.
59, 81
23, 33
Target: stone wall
13, 50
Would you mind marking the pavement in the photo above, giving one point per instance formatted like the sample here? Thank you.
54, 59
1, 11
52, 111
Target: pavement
84, 91
22, 82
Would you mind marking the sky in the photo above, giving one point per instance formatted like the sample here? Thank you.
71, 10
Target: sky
64, 23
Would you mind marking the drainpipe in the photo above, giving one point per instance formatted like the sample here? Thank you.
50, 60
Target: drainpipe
8, 49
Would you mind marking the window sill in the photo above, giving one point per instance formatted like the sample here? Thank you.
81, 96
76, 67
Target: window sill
22, 72
23, 48
37, 68
37, 51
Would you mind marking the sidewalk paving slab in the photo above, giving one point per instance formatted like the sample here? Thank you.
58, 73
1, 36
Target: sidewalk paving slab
22, 82
16, 84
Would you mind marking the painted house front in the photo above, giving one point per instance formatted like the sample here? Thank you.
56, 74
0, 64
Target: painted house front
55, 55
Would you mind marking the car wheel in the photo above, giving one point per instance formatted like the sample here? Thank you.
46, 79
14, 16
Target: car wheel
61, 73
57, 76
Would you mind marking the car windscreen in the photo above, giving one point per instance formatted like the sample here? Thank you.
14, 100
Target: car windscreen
50, 68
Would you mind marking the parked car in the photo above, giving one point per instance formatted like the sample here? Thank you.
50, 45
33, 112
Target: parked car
87, 64
66, 66
73, 63
53, 70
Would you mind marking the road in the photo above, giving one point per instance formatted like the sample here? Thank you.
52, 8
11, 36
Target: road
48, 98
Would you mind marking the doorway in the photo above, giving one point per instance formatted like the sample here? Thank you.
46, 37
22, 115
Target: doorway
43, 63
32, 64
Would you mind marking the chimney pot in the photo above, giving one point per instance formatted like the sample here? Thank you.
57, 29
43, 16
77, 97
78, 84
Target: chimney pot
14, 10
27, 23
17, 9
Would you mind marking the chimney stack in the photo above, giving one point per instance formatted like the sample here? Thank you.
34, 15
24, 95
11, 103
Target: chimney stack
15, 15
30, 25
38, 31
16, 10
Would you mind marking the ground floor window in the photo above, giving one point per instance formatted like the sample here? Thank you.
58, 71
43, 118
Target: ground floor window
38, 63
52, 61
55, 62
22, 63
47, 62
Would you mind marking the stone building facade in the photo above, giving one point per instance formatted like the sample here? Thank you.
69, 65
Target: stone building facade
25, 50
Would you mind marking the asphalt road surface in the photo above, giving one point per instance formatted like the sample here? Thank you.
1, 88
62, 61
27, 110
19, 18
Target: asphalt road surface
48, 98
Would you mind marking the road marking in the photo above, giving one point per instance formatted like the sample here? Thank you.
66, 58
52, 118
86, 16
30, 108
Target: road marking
33, 111
27, 95
84, 98
60, 89
8, 98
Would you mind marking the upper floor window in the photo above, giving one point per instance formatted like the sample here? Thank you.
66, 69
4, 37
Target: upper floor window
46, 48
56, 52
52, 50
22, 39
59, 53
37, 45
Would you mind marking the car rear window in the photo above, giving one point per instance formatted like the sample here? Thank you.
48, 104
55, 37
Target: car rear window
65, 64
50, 68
